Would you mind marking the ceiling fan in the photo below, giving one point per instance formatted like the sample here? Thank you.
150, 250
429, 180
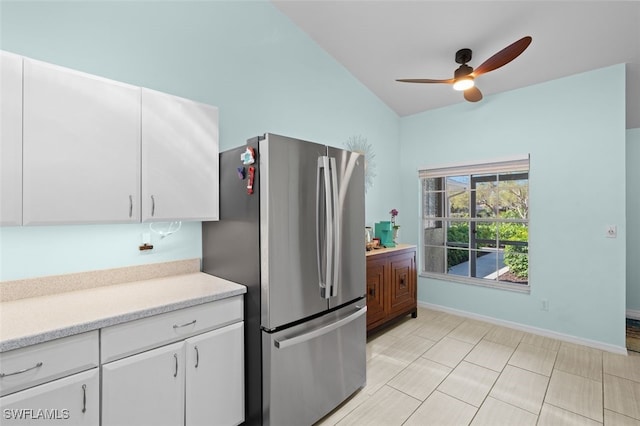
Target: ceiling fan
463, 78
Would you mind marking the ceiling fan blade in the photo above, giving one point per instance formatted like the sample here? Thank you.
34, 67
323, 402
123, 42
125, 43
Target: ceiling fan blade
504, 56
425, 80
473, 94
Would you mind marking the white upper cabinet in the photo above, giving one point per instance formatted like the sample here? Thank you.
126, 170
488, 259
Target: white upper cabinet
77, 148
179, 158
81, 147
10, 139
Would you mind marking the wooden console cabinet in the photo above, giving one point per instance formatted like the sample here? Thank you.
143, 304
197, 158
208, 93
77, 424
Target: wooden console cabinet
391, 285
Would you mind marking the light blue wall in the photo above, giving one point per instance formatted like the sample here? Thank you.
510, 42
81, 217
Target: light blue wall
574, 130
268, 76
633, 226
263, 73
49, 250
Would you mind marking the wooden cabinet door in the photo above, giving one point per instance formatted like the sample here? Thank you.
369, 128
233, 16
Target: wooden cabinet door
81, 147
402, 283
179, 158
10, 139
145, 389
215, 377
376, 271
72, 400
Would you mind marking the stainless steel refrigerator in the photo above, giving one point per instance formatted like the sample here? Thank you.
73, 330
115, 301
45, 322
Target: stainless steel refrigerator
291, 230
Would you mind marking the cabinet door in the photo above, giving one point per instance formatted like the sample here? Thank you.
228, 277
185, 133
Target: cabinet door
81, 140
179, 158
145, 389
402, 284
10, 139
376, 269
73, 400
215, 377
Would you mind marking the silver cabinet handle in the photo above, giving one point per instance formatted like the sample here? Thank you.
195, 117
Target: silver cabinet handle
21, 371
130, 205
176, 373
84, 398
184, 325
153, 206
197, 356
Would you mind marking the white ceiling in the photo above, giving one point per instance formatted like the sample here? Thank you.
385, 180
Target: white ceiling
381, 41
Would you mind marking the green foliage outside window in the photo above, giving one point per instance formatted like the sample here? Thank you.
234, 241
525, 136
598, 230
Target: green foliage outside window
515, 257
458, 232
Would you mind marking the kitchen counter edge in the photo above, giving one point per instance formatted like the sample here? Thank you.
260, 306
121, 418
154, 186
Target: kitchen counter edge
385, 250
208, 287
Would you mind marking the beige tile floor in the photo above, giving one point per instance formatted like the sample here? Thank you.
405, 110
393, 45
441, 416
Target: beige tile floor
443, 369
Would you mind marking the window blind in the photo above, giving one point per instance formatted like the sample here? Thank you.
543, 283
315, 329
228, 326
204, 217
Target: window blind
514, 164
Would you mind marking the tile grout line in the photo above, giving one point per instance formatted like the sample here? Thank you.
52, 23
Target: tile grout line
546, 391
458, 364
411, 332
553, 370
602, 377
448, 374
499, 374
403, 369
496, 381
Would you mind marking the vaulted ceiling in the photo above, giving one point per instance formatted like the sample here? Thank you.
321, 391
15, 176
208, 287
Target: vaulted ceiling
381, 41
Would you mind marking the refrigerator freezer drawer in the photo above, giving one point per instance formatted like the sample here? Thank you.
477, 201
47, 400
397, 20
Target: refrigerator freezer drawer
311, 368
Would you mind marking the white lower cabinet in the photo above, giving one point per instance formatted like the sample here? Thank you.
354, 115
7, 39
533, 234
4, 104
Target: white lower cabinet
198, 380
145, 389
72, 400
215, 377
55, 382
184, 367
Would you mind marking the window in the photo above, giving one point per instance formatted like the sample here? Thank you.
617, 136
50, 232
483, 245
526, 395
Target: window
475, 223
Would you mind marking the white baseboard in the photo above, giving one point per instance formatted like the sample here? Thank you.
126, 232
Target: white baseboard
633, 314
530, 329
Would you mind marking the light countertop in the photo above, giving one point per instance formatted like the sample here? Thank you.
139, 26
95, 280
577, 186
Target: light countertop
390, 249
32, 320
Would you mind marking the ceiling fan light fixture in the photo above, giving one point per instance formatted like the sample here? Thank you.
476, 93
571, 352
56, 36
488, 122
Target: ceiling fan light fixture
463, 83
463, 76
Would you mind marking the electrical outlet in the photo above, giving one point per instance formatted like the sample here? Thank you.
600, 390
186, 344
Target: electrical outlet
544, 305
611, 231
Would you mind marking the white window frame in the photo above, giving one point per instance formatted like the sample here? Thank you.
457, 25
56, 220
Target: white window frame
497, 166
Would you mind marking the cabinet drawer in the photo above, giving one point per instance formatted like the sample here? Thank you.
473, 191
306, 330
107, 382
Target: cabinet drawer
136, 336
33, 365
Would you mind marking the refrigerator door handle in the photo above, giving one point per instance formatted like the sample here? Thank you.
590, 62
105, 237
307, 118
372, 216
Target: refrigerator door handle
326, 216
285, 343
335, 228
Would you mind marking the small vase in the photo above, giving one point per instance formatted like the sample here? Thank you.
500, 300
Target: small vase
396, 234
